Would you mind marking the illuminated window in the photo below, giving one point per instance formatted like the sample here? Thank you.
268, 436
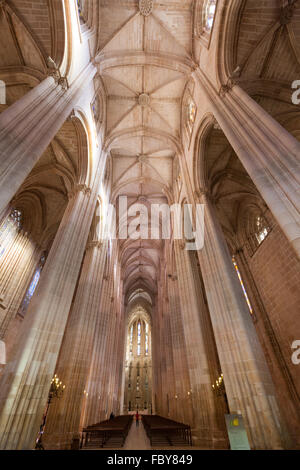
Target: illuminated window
32, 286
80, 11
9, 229
16, 217
262, 229
191, 115
131, 339
192, 112
139, 339
242, 284
147, 339
96, 109
209, 14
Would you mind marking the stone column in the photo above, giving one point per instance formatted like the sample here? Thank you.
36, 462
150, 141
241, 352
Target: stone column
29, 125
110, 312
279, 367
13, 296
268, 152
121, 361
161, 356
16, 271
156, 353
157, 390
183, 405
113, 355
119, 337
97, 383
205, 424
26, 380
119, 364
248, 383
170, 375
75, 356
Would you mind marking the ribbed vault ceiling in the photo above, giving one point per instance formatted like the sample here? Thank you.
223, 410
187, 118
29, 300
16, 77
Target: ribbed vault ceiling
145, 62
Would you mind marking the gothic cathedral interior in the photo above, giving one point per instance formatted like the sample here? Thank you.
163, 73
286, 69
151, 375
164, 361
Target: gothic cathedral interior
149, 223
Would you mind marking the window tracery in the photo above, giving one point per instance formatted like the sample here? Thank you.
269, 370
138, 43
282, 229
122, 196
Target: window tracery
9, 229
146, 339
242, 285
189, 110
139, 339
209, 14
80, 11
262, 229
257, 230
33, 285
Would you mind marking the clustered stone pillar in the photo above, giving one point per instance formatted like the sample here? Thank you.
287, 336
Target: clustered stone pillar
29, 125
17, 268
248, 383
74, 360
97, 386
279, 367
12, 294
157, 390
118, 336
26, 380
205, 425
163, 378
269, 153
169, 384
182, 402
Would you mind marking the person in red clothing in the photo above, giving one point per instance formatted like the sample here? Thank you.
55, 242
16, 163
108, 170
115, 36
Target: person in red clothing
137, 417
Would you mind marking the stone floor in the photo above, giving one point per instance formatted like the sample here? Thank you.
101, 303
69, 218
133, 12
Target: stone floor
137, 438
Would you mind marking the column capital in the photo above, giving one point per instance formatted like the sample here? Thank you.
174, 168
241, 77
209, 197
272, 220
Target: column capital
225, 88
2, 302
79, 187
71, 116
53, 71
287, 13
238, 250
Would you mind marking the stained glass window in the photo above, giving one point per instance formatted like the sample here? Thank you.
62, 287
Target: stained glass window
209, 14
147, 339
131, 339
80, 11
32, 287
16, 216
96, 109
139, 339
9, 229
242, 284
262, 229
192, 112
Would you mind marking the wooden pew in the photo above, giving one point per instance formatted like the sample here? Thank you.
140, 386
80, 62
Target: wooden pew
109, 433
165, 432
